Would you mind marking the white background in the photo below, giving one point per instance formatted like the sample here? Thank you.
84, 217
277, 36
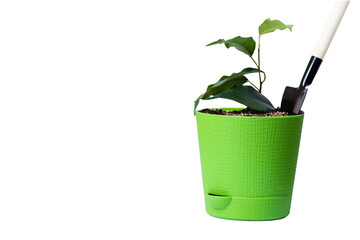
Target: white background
97, 136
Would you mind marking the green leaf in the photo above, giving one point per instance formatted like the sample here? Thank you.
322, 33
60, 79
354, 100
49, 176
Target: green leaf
245, 45
250, 70
216, 42
224, 83
248, 96
269, 26
197, 103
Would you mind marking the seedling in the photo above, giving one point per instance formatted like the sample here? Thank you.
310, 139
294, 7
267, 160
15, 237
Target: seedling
237, 86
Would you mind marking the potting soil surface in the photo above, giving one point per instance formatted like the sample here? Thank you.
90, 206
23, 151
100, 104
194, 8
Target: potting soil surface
245, 112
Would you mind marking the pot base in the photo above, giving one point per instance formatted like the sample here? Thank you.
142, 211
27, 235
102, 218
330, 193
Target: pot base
250, 209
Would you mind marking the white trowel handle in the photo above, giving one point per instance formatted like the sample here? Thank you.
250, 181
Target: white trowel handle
330, 29
323, 43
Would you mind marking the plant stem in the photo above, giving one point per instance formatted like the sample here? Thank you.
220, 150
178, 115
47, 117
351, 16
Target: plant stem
258, 65
253, 85
264, 77
254, 62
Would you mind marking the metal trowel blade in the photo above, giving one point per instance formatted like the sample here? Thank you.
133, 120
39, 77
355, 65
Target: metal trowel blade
293, 100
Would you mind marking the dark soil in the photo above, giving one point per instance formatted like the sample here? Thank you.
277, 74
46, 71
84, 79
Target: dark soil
246, 112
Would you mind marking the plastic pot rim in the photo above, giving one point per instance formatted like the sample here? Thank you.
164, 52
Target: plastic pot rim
239, 109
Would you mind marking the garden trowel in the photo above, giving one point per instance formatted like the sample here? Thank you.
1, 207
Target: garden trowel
293, 98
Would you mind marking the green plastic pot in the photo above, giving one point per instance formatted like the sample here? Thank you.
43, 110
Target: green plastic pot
248, 164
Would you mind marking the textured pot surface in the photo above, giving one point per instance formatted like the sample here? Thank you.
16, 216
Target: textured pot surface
248, 164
